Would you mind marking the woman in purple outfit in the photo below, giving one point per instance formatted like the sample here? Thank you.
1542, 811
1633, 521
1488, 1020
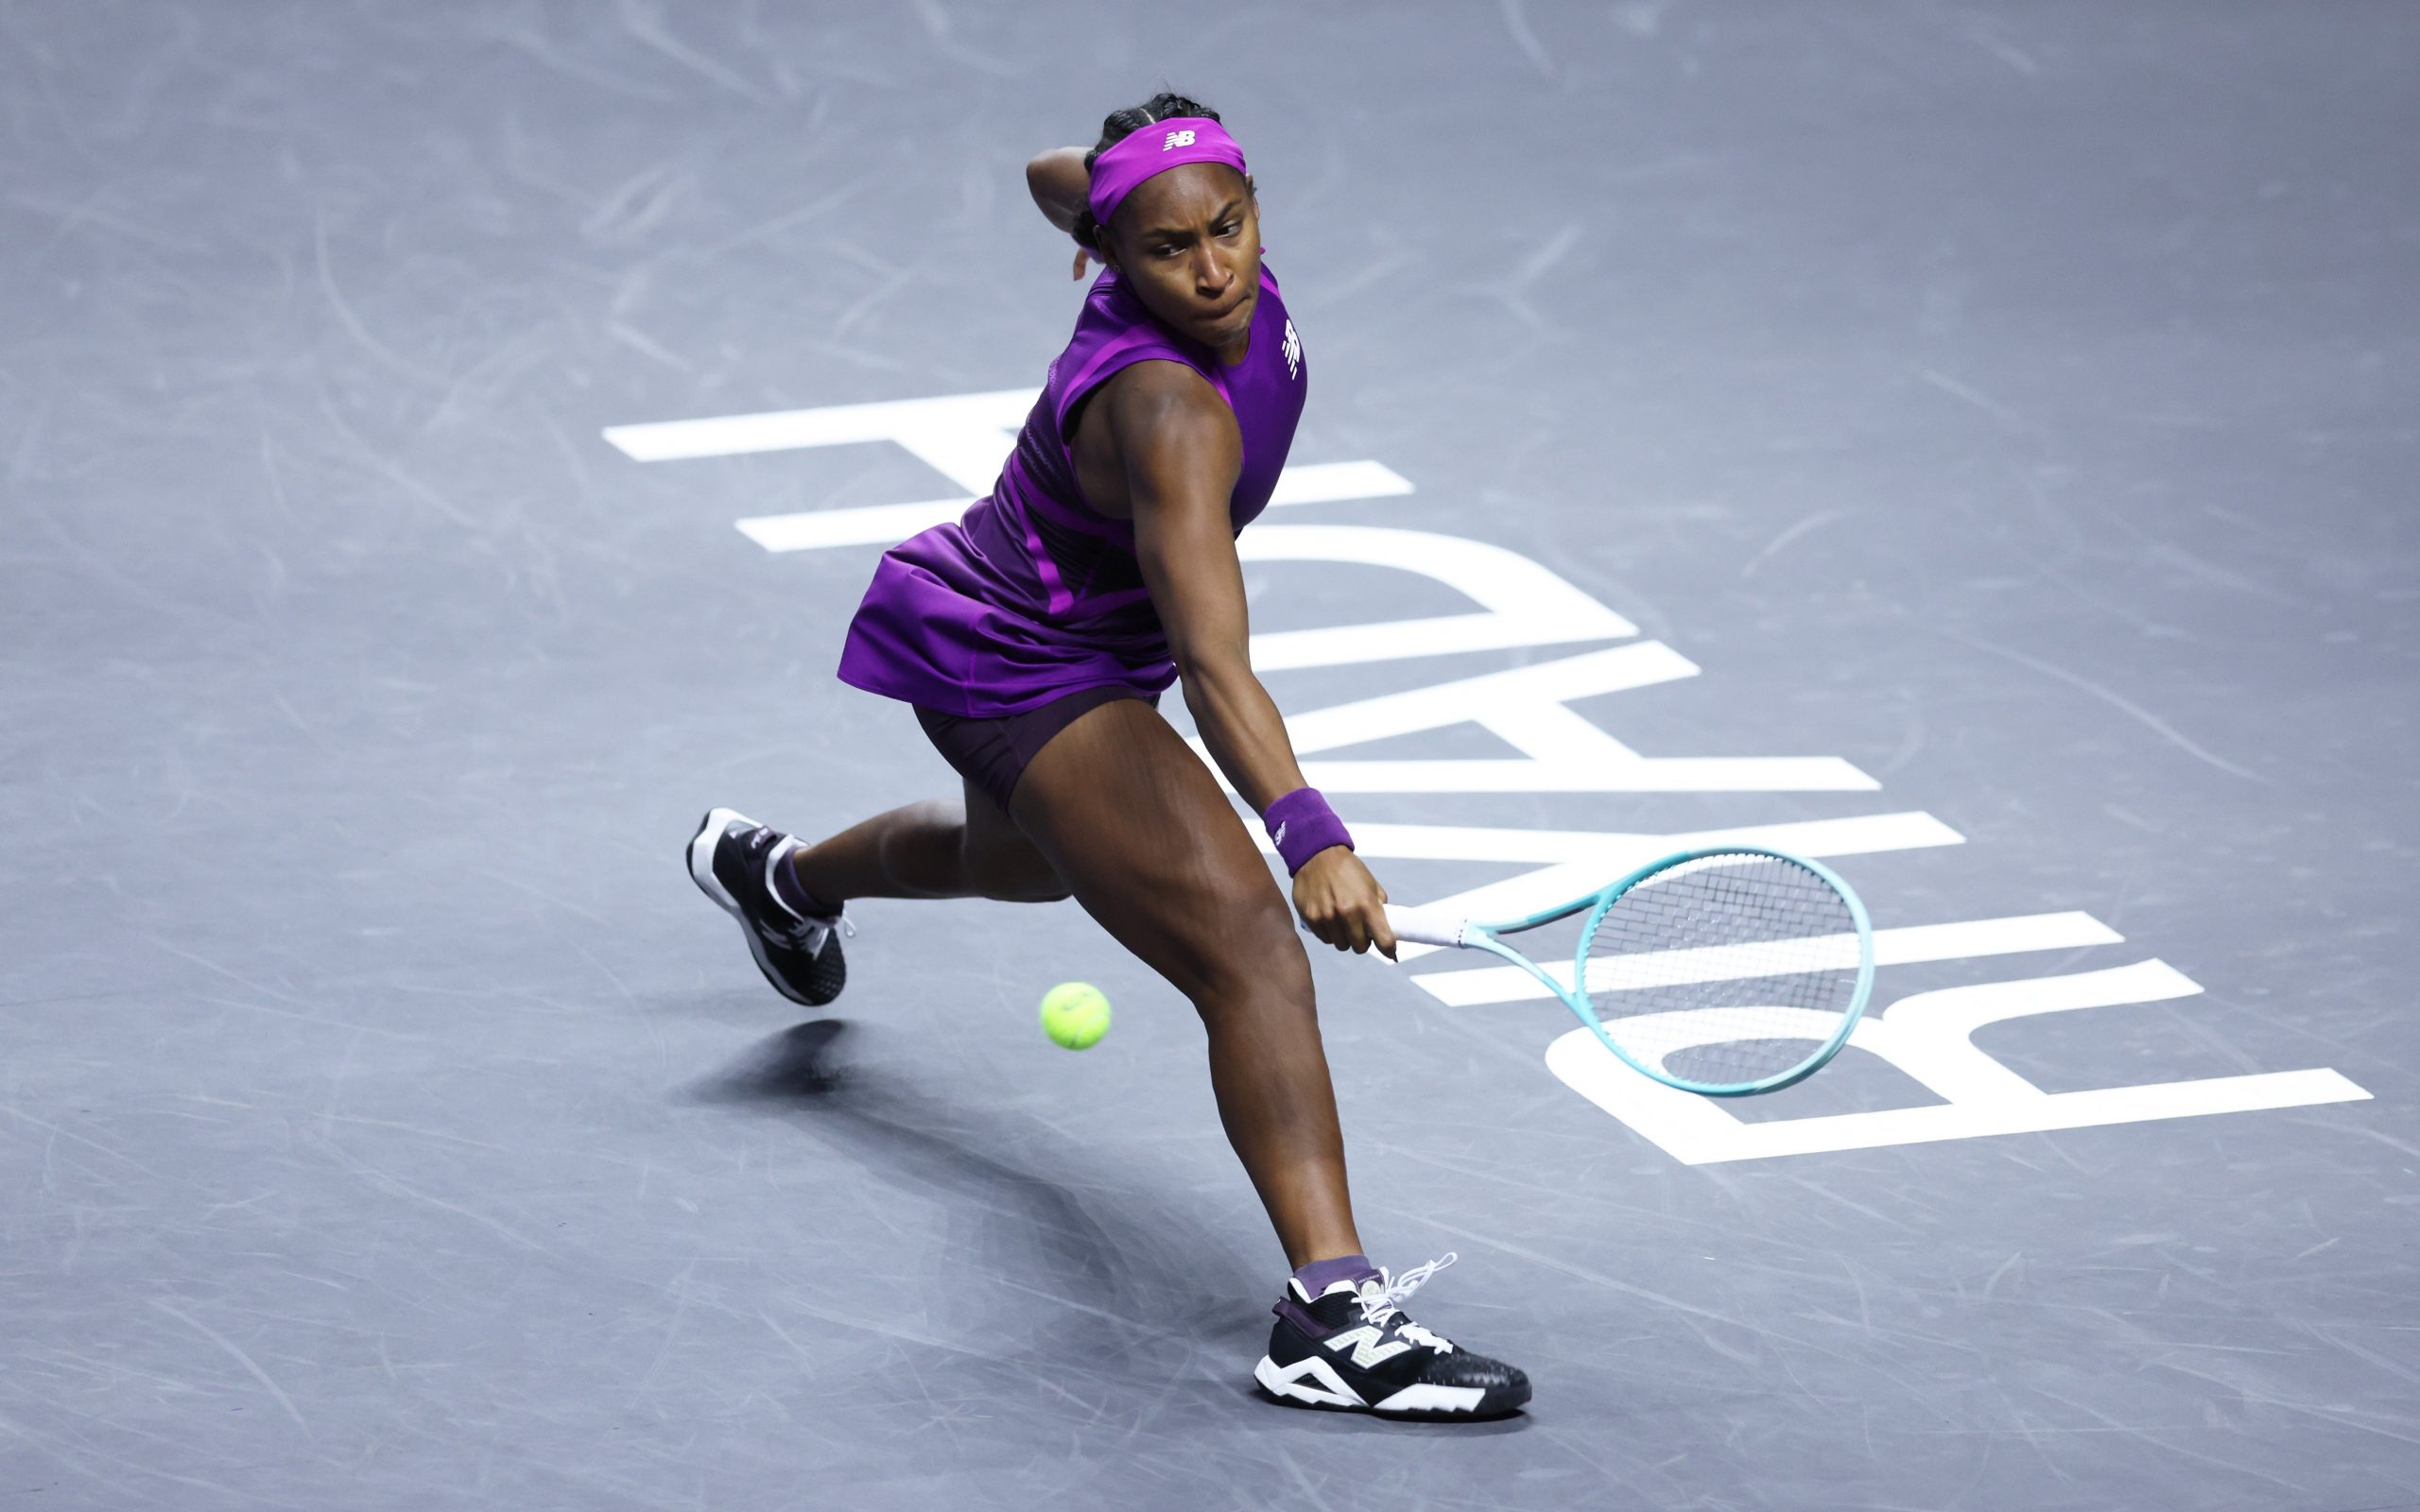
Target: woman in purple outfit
1033, 637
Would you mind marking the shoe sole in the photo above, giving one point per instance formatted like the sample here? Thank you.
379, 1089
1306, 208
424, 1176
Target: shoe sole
1414, 1404
699, 856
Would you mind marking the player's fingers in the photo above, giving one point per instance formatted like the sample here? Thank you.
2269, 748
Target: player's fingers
1381, 934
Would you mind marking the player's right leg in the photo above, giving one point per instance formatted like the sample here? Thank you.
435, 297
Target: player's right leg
739, 863
963, 847
790, 899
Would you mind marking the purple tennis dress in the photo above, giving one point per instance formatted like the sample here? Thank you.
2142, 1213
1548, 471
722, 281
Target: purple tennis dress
1030, 595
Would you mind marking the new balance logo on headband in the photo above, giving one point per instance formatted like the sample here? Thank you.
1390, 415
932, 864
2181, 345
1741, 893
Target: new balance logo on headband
1176, 140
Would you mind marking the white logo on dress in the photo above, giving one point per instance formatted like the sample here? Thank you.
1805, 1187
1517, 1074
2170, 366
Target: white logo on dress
1177, 139
1293, 348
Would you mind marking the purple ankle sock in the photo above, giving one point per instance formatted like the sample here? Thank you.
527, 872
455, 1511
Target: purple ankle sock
1319, 1274
790, 892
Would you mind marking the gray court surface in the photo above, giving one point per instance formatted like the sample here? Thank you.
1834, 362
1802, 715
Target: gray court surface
2016, 402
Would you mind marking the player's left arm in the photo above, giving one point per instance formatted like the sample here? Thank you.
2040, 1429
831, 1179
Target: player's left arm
1182, 454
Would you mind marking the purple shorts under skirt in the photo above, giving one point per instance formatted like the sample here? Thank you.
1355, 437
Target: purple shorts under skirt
992, 753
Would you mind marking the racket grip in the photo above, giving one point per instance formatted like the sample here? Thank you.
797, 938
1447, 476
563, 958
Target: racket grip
1423, 926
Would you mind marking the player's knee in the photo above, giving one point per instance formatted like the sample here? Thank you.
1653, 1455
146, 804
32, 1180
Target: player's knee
1016, 874
1047, 887
1248, 948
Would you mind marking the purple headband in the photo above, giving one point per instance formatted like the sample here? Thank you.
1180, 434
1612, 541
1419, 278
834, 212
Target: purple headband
1157, 148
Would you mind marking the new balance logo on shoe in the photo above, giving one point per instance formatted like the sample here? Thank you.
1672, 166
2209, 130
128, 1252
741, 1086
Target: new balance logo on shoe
1369, 1346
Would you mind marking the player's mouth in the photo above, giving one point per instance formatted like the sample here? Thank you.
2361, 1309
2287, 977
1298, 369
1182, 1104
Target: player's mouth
1220, 320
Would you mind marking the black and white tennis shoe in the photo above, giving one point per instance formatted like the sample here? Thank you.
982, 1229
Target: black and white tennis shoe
730, 859
1351, 1349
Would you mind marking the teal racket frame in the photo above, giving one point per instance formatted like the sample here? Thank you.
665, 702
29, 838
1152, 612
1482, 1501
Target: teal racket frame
1423, 927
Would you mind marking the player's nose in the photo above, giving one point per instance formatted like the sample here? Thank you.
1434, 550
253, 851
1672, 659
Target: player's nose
1211, 276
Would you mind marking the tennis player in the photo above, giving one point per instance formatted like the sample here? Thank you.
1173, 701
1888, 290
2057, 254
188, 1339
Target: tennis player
1033, 637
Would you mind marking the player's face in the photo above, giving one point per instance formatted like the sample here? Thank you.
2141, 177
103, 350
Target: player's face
1189, 241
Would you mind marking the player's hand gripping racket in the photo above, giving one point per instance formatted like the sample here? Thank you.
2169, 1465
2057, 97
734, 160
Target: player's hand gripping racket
1724, 971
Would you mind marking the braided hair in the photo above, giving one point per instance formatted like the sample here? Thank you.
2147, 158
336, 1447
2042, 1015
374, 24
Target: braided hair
1119, 125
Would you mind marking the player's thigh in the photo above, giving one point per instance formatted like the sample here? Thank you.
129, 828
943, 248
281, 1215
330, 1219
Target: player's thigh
1141, 831
1001, 860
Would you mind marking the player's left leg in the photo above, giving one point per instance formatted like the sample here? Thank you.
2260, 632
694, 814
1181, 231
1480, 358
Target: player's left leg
1156, 853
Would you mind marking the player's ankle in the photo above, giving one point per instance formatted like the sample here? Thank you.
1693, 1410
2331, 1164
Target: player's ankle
1319, 1275
791, 891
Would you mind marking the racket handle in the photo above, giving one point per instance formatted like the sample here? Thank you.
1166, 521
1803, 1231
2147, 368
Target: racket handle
1424, 926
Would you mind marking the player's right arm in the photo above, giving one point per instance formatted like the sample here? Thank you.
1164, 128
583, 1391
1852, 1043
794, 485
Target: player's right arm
1059, 182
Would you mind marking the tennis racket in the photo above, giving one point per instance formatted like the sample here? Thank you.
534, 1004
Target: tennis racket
1725, 972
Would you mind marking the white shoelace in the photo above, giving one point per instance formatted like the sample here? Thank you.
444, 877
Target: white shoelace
820, 928
1384, 1297
811, 922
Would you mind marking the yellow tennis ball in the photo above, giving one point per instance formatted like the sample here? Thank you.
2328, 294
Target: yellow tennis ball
1075, 1015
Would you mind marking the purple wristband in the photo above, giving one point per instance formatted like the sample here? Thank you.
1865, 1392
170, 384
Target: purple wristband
1301, 825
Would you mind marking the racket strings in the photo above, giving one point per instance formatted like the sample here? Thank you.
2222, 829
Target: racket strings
1724, 971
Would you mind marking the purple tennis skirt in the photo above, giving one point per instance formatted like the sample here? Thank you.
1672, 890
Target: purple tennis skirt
992, 753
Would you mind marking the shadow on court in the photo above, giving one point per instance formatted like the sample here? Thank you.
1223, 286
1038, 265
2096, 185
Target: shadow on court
1093, 1282
1119, 1290
1029, 1232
